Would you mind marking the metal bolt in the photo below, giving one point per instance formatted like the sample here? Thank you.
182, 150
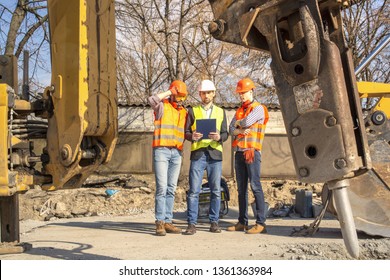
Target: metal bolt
331, 121
340, 163
379, 118
303, 172
217, 27
4, 60
213, 27
64, 153
295, 131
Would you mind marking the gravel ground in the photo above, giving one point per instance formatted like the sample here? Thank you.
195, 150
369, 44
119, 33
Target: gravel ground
92, 207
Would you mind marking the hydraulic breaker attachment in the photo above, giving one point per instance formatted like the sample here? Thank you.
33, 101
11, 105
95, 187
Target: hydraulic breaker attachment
316, 86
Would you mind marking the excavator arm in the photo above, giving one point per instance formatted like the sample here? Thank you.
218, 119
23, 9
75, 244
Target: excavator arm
316, 86
76, 118
82, 126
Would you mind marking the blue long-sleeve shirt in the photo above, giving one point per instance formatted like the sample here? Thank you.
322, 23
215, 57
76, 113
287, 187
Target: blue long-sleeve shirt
157, 106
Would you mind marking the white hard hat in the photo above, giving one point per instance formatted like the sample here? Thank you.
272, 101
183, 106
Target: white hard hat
207, 85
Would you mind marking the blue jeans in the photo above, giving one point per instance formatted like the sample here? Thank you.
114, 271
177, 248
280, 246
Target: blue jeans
251, 172
214, 173
167, 164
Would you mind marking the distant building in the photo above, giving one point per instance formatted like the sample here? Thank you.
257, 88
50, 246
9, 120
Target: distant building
133, 153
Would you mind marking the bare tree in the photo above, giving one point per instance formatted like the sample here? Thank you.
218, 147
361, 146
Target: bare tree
161, 41
25, 27
366, 25
151, 33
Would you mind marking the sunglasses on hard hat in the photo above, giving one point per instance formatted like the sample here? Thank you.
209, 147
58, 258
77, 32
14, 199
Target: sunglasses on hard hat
181, 97
243, 92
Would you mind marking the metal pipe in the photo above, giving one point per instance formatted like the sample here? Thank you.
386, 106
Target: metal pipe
27, 130
32, 159
344, 215
19, 121
25, 87
372, 55
88, 154
32, 135
33, 126
22, 105
10, 134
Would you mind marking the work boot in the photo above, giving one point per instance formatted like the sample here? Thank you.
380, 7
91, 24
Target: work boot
215, 228
160, 229
170, 228
237, 227
257, 228
191, 230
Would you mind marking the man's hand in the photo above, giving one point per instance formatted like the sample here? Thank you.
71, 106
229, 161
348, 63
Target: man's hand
196, 136
245, 131
249, 156
237, 123
214, 136
174, 91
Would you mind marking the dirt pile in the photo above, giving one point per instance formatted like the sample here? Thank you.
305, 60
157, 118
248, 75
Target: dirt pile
135, 194
125, 195
371, 249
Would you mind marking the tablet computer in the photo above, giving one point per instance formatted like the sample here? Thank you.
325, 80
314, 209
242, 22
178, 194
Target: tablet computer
205, 126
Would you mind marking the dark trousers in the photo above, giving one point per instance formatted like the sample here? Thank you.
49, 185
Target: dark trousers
249, 172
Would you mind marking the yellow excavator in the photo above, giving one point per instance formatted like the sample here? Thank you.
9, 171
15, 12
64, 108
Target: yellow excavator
330, 139
76, 116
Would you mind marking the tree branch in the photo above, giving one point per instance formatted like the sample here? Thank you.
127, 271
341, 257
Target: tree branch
29, 33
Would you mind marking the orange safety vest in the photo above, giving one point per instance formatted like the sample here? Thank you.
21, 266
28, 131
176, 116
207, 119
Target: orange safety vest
169, 130
256, 136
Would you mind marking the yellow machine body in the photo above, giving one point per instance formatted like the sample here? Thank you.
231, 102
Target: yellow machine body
379, 90
77, 118
80, 105
4, 139
84, 119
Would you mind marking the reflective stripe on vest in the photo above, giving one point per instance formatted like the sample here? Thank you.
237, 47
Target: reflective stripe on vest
256, 136
216, 113
169, 130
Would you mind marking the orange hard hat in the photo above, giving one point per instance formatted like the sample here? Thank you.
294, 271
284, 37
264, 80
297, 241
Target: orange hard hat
245, 85
181, 89
180, 86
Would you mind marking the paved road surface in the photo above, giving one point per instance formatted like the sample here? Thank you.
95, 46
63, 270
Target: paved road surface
132, 237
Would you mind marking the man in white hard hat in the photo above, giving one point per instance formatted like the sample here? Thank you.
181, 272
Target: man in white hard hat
206, 154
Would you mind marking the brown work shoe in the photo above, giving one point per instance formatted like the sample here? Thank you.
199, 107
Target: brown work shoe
215, 228
257, 228
237, 227
160, 229
170, 228
190, 230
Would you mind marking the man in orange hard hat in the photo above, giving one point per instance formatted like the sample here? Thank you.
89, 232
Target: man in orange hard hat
247, 128
170, 118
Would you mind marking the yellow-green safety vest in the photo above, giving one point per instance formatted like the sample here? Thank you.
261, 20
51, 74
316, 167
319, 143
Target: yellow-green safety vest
199, 113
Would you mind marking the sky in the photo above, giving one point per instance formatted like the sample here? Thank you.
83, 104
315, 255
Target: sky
39, 63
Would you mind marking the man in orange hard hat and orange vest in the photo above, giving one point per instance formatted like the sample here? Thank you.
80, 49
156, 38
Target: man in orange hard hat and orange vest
247, 128
170, 118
